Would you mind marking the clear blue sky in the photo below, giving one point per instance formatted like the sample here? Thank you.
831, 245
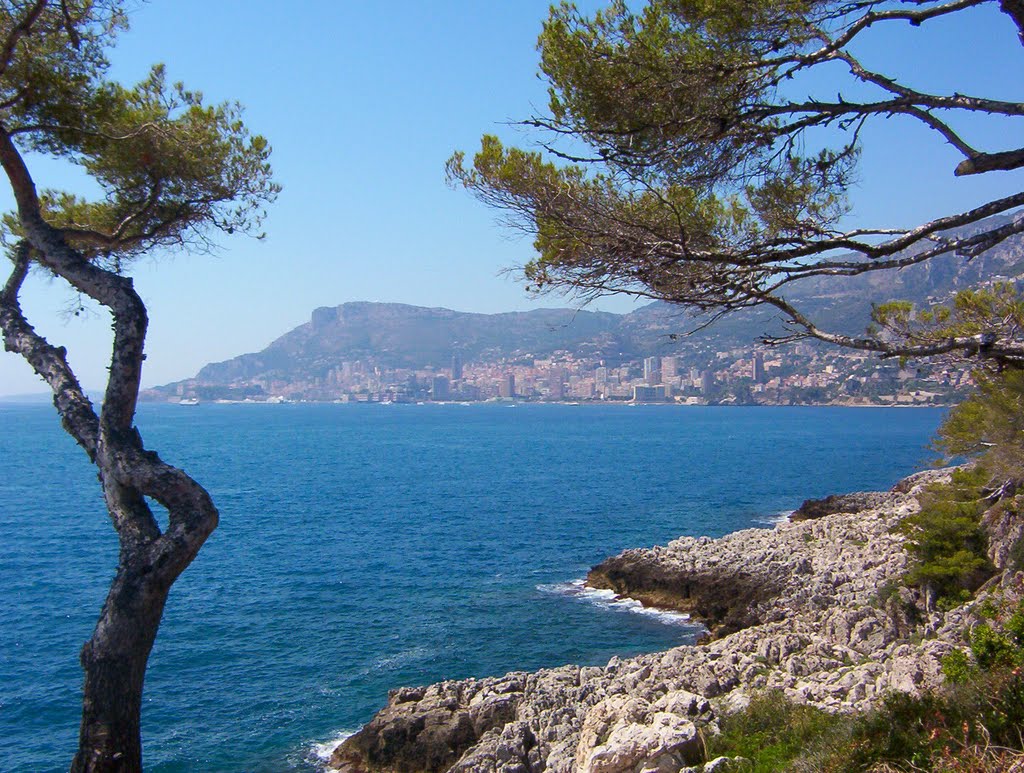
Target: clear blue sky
363, 103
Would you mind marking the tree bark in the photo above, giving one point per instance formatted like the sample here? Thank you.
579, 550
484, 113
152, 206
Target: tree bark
150, 559
114, 660
1015, 10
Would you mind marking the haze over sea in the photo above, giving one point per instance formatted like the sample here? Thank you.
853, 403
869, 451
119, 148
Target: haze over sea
364, 547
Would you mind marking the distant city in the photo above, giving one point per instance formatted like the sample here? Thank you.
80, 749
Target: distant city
364, 352
795, 375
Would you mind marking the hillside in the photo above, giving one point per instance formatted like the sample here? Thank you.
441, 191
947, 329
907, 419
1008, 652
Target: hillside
396, 337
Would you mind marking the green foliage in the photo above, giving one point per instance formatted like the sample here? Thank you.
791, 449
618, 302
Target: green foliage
992, 649
655, 87
971, 725
990, 426
1015, 626
686, 158
903, 730
169, 167
996, 643
977, 317
946, 539
653, 94
543, 198
772, 731
52, 71
956, 667
987, 610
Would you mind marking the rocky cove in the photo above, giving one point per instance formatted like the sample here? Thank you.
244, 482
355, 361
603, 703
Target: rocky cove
812, 608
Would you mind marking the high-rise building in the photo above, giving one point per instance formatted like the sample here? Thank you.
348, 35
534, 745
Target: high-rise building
439, 388
669, 367
507, 387
652, 371
757, 369
456, 367
556, 384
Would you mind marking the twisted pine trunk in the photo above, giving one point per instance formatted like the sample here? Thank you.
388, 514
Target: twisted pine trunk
114, 660
150, 559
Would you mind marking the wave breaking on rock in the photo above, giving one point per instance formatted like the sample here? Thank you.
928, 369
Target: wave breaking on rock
796, 608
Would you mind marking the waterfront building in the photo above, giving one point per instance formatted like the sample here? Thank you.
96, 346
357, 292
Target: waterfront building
648, 394
439, 388
652, 371
507, 387
556, 384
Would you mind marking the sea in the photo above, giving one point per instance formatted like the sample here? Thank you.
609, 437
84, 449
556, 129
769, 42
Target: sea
366, 547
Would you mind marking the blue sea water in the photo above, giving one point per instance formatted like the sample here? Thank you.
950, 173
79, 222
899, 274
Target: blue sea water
366, 547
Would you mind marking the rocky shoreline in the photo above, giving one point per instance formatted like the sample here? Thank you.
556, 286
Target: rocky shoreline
811, 607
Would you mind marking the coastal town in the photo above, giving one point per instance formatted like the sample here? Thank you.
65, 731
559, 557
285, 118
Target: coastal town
803, 374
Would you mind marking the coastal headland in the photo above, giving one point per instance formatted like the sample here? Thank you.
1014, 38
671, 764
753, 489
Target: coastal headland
812, 608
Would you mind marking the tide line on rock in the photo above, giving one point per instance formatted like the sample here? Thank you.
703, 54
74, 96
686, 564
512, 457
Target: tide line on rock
606, 599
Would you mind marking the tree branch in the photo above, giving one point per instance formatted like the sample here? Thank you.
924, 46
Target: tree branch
982, 345
1015, 10
920, 98
21, 29
916, 18
980, 163
115, 292
49, 362
127, 470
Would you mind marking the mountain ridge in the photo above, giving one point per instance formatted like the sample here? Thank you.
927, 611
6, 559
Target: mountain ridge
405, 336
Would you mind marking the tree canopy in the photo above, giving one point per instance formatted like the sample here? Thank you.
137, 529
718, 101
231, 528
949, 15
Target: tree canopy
684, 157
171, 171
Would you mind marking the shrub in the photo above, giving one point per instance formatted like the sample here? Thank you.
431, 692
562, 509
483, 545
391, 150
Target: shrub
771, 731
956, 667
992, 649
972, 724
946, 540
1015, 625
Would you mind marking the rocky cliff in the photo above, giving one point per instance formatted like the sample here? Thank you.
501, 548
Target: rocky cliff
800, 608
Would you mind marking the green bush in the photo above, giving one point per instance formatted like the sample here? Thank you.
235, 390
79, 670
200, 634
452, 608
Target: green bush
989, 425
972, 724
992, 649
771, 731
946, 540
1015, 561
957, 667
1015, 625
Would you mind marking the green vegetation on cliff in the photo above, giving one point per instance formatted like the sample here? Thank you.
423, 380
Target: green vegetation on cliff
969, 725
946, 539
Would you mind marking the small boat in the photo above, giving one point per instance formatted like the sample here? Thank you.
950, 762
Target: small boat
188, 401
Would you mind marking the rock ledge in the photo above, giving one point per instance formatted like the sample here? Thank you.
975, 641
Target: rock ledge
796, 608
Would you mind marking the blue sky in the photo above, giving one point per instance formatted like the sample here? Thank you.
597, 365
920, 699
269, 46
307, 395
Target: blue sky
363, 103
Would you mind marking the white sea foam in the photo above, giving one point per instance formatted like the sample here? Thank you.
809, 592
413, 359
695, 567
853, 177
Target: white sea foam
398, 660
775, 519
607, 599
320, 753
